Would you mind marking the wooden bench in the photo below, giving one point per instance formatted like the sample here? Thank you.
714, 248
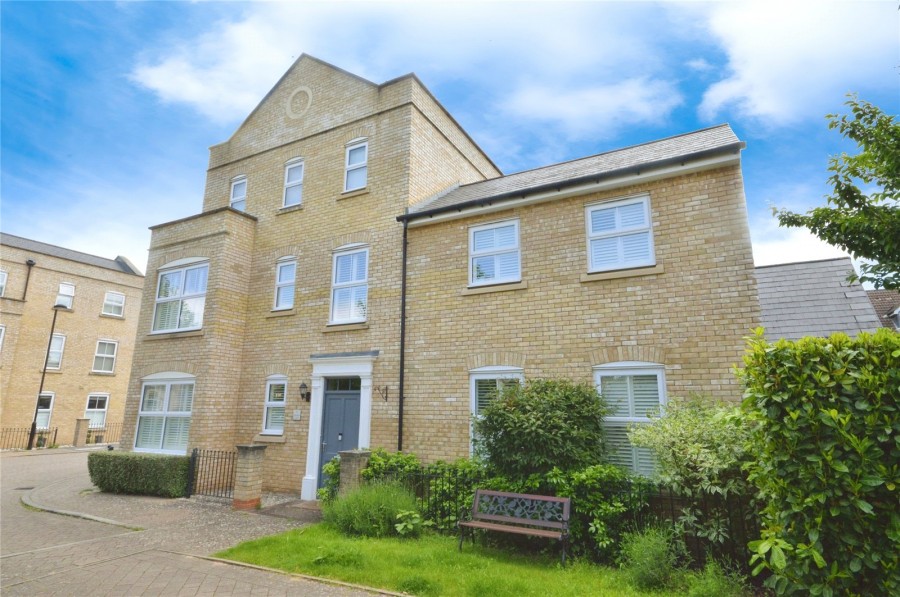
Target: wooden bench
523, 514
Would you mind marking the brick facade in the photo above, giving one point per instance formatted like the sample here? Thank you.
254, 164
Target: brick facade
27, 330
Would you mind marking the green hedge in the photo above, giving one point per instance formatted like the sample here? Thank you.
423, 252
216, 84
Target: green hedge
142, 474
828, 466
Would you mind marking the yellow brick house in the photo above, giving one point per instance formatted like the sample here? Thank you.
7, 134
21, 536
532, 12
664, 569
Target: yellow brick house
361, 273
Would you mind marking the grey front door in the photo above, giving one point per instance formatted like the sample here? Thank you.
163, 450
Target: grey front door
340, 420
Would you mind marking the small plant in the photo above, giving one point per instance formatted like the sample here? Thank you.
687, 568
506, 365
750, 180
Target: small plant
715, 580
651, 557
331, 471
410, 523
372, 511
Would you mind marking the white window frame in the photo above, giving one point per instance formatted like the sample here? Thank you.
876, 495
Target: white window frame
66, 295
619, 233
90, 413
42, 411
474, 280
271, 382
113, 304
497, 373
336, 286
104, 356
238, 202
280, 284
167, 380
630, 369
364, 165
2, 336
59, 339
181, 297
3, 278
291, 165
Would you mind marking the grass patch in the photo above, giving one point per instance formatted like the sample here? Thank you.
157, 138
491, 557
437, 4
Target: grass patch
428, 566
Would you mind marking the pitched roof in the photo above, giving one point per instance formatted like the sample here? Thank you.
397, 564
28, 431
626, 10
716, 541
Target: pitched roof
635, 159
119, 264
884, 302
813, 298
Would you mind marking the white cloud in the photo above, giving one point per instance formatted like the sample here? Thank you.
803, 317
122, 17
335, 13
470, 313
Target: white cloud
790, 59
773, 244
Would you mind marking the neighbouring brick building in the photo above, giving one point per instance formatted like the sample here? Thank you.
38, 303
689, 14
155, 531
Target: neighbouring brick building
92, 342
363, 275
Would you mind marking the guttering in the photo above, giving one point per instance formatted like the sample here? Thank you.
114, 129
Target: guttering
701, 160
402, 339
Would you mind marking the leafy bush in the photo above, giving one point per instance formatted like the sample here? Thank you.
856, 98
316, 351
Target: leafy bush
542, 425
383, 464
374, 510
828, 467
651, 557
714, 580
141, 474
331, 470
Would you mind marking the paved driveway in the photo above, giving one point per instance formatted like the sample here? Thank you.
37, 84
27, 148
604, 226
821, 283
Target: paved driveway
146, 546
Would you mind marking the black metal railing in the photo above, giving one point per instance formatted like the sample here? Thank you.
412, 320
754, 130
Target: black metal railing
111, 433
212, 473
16, 438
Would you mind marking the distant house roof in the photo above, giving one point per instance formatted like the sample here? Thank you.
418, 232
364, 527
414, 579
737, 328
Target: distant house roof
886, 303
636, 159
813, 298
119, 264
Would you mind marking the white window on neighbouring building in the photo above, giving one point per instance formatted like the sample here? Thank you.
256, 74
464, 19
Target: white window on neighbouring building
239, 193
350, 286
620, 235
494, 256
180, 298
487, 383
55, 354
95, 411
285, 277
293, 183
105, 356
634, 391
66, 295
2, 336
357, 160
273, 413
164, 416
3, 276
44, 410
114, 304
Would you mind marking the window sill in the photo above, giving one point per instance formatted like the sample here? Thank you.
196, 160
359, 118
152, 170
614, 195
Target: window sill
103, 373
266, 438
167, 335
52, 371
353, 193
289, 209
345, 327
623, 273
281, 313
494, 288
110, 316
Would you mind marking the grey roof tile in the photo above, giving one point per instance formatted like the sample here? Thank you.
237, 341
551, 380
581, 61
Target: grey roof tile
119, 264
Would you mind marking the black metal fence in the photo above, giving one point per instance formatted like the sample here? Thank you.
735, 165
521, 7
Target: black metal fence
111, 433
212, 473
16, 438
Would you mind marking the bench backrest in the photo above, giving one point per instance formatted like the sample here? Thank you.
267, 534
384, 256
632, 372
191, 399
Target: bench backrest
534, 510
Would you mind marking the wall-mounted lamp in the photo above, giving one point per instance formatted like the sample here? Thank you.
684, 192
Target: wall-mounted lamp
383, 392
305, 394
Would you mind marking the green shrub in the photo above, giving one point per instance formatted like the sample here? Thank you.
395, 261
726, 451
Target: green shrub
542, 425
373, 510
141, 474
383, 464
331, 471
828, 467
714, 580
651, 557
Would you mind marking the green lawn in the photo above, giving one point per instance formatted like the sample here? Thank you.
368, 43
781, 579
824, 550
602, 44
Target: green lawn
427, 566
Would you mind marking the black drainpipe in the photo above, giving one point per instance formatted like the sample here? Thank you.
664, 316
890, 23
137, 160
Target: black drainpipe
402, 340
30, 264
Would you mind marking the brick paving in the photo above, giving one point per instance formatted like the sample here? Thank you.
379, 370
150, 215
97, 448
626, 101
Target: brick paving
154, 547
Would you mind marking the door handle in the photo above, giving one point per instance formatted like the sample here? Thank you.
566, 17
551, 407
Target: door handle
340, 437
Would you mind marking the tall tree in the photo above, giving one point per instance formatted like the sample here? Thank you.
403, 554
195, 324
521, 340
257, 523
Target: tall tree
865, 223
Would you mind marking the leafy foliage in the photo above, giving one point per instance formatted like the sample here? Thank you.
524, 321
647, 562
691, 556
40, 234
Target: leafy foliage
651, 557
375, 510
331, 470
868, 226
543, 425
384, 464
140, 474
828, 466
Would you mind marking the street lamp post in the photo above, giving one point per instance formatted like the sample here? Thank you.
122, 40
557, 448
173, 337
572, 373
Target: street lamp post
37, 403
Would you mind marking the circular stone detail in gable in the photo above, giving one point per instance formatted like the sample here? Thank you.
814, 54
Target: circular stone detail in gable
298, 102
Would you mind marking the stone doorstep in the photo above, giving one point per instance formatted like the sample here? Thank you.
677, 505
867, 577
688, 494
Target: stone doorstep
305, 511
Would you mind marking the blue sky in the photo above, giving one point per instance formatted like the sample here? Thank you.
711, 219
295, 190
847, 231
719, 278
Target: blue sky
108, 109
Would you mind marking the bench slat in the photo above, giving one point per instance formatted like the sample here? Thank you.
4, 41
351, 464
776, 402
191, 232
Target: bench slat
512, 529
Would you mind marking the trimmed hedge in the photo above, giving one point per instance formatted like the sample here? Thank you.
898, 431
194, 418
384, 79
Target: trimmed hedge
828, 466
141, 474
